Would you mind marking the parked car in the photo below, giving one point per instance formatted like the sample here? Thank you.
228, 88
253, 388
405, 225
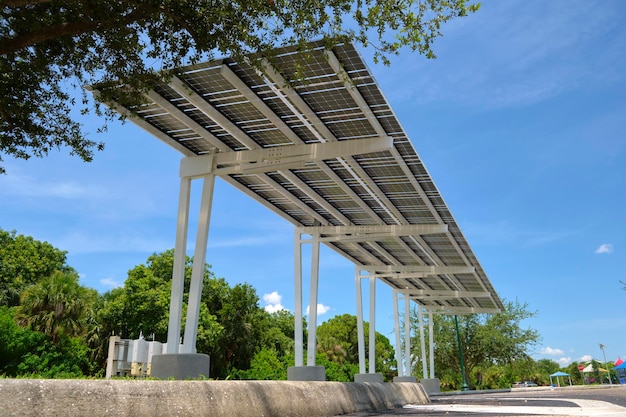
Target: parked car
524, 384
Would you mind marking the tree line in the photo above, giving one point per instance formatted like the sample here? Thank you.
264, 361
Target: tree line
53, 327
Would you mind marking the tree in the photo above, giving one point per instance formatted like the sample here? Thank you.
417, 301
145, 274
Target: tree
46, 46
279, 333
55, 306
337, 341
486, 340
243, 322
25, 352
25, 261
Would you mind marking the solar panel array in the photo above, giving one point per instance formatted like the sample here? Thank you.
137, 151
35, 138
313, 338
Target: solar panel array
329, 96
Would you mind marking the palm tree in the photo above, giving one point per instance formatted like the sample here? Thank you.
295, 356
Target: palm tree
55, 305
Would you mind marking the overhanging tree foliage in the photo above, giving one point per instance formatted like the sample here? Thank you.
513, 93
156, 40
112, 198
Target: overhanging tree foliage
48, 47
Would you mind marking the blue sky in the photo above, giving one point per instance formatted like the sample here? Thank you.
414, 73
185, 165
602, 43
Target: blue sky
521, 122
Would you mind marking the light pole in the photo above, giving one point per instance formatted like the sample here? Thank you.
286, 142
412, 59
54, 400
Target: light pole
605, 363
464, 386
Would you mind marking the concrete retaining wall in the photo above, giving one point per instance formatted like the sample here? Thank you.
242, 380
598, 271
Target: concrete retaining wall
126, 398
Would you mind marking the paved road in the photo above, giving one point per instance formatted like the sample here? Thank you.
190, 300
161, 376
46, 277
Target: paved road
576, 401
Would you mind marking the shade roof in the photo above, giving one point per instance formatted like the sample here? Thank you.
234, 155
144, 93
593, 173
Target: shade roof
360, 186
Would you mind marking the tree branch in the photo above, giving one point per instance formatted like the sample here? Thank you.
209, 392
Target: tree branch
22, 3
12, 45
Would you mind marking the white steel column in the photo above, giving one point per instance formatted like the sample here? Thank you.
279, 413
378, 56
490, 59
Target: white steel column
372, 351
431, 344
422, 341
178, 273
297, 283
315, 263
407, 335
396, 322
199, 259
359, 320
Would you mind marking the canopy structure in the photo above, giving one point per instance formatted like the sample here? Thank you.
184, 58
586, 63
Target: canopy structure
314, 140
589, 368
561, 375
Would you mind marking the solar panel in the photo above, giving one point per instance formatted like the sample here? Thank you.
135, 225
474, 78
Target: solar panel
225, 106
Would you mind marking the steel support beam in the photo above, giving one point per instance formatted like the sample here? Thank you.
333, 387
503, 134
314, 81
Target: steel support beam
417, 270
445, 294
372, 326
297, 284
407, 337
460, 311
359, 320
431, 344
199, 260
420, 316
278, 158
376, 230
178, 273
396, 322
312, 342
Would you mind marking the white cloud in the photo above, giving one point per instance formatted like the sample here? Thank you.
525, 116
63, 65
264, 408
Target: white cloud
273, 302
605, 248
321, 309
564, 361
273, 308
272, 298
110, 282
585, 358
550, 351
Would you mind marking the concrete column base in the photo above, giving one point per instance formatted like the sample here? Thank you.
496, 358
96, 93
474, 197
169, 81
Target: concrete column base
404, 379
368, 377
306, 373
431, 385
180, 366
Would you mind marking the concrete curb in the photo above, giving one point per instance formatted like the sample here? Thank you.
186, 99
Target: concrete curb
122, 398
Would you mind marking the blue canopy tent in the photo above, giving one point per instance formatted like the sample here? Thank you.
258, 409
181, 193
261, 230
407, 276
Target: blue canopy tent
560, 374
621, 372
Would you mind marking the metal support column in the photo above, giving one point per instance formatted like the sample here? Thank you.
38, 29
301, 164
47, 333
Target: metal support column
182, 362
372, 342
315, 264
310, 372
464, 386
178, 273
359, 320
407, 336
431, 344
404, 366
370, 376
420, 316
396, 322
297, 276
199, 260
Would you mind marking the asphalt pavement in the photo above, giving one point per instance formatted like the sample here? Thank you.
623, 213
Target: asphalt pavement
590, 401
